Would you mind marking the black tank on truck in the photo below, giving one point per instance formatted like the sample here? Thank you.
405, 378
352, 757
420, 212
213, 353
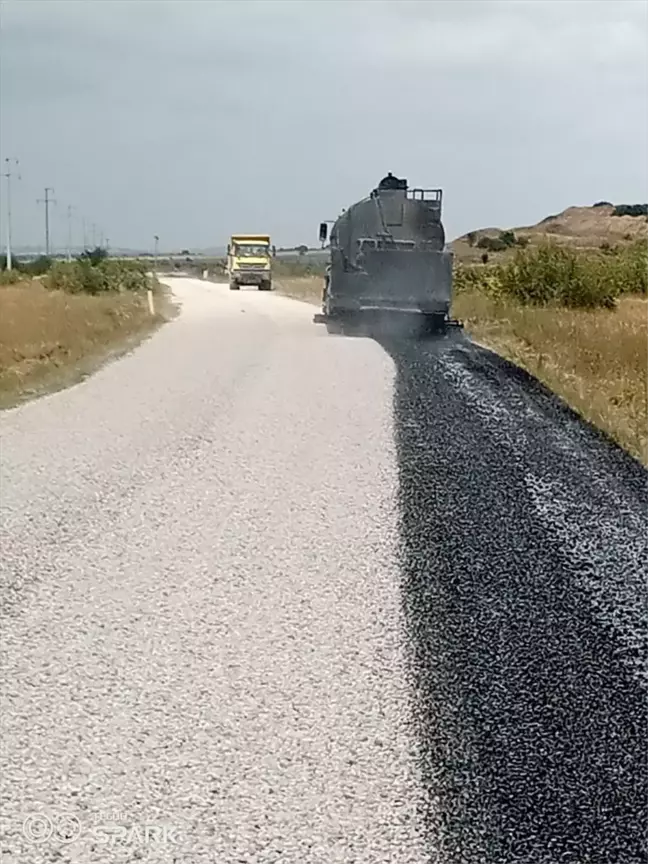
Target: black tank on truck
387, 252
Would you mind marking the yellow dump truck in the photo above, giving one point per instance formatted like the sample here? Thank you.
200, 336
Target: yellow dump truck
249, 261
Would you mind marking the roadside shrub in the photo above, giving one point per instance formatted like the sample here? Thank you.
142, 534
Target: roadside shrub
94, 256
23, 269
484, 278
127, 275
38, 267
505, 240
631, 268
84, 276
492, 244
10, 277
551, 274
557, 275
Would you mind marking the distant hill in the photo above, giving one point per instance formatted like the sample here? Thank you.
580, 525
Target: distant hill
586, 227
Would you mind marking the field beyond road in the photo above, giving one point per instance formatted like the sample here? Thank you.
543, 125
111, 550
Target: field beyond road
52, 338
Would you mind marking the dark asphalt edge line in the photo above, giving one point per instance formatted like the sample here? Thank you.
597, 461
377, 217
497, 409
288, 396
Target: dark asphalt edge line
548, 399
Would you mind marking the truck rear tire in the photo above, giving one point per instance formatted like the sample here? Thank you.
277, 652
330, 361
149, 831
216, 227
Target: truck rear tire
234, 286
265, 286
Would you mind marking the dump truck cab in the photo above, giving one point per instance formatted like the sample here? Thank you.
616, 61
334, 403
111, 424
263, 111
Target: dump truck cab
249, 261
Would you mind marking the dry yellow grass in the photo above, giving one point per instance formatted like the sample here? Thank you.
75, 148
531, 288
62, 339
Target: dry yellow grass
50, 339
308, 288
596, 361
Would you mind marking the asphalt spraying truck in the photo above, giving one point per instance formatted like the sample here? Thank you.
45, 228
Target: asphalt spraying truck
387, 253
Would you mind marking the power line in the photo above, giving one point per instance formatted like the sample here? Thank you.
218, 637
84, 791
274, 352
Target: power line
47, 201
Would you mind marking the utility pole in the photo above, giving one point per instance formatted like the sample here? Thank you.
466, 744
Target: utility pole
69, 221
155, 257
85, 235
9, 160
47, 201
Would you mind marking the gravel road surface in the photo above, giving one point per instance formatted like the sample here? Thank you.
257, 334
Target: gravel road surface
270, 594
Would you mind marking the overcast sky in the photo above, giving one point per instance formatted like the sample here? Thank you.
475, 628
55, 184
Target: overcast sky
193, 119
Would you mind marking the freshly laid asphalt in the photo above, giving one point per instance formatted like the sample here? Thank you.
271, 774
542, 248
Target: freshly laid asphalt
270, 593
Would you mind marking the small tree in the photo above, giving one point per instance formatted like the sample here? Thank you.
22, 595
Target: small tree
493, 244
471, 237
39, 267
93, 256
507, 238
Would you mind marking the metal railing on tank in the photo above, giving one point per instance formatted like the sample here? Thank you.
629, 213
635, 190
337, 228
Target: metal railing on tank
425, 195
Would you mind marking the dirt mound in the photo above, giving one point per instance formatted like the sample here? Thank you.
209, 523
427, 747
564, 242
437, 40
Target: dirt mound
593, 224
575, 226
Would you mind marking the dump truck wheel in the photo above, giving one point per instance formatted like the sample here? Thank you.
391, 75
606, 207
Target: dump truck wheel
265, 286
234, 286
